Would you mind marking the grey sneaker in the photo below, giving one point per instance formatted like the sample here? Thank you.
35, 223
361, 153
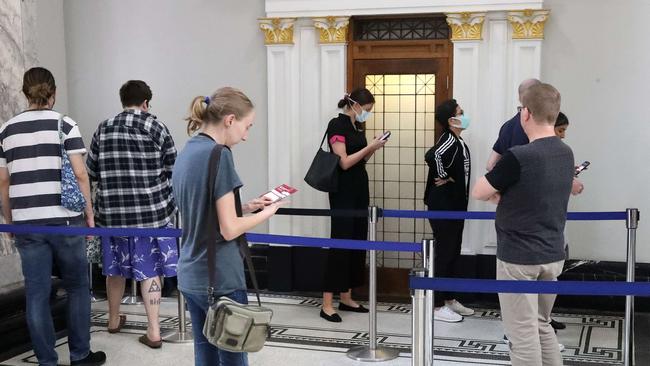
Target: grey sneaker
445, 314
459, 309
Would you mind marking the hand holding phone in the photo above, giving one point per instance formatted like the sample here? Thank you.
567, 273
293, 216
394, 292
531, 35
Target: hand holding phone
385, 136
279, 193
581, 167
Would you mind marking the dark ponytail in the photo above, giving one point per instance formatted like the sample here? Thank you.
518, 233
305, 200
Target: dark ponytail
362, 96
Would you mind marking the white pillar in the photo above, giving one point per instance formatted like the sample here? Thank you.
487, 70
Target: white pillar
480, 236
311, 128
467, 36
282, 116
526, 48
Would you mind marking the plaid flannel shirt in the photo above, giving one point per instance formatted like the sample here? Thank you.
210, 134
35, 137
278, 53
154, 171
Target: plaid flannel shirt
131, 159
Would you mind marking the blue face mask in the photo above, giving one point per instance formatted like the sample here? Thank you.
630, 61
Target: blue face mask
360, 117
464, 121
363, 116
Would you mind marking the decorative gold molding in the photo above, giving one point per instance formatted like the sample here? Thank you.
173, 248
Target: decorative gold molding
332, 29
528, 24
277, 30
466, 26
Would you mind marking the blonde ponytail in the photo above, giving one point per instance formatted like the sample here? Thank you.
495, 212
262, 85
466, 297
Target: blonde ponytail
198, 110
223, 102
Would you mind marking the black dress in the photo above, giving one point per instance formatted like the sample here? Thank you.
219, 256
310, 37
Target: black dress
345, 267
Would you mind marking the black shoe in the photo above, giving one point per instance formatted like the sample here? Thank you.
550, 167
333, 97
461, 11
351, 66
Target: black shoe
334, 318
93, 359
557, 325
359, 309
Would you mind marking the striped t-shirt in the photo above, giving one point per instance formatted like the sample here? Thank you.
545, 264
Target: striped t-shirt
30, 149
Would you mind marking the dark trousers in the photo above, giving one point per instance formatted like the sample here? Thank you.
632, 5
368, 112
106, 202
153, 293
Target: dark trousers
449, 239
345, 268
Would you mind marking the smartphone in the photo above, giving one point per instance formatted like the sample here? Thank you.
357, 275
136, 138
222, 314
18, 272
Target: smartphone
385, 136
280, 192
581, 167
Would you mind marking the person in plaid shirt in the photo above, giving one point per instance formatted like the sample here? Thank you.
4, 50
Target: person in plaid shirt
130, 160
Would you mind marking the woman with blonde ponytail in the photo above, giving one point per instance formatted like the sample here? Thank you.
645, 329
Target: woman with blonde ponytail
222, 118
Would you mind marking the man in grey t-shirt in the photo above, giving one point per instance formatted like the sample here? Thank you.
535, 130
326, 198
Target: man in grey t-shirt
531, 185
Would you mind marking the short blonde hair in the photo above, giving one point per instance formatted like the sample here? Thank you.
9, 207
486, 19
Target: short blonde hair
213, 109
543, 102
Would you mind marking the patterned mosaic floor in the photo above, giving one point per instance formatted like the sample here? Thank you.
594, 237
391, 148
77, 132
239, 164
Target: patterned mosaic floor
300, 337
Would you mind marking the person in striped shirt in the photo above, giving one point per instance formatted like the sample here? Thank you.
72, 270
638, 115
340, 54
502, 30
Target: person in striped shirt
30, 189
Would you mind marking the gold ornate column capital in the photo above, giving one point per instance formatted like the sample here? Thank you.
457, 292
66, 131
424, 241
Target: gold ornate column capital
528, 24
466, 26
277, 30
332, 29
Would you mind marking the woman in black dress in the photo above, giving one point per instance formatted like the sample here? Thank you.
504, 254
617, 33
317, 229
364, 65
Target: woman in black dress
447, 189
347, 139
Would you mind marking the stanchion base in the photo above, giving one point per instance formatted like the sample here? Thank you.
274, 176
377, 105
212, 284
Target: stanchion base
178, 337
365, 354
131, 300
94, 298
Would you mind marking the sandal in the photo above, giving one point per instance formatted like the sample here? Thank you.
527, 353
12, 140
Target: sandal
119, 327
144, 339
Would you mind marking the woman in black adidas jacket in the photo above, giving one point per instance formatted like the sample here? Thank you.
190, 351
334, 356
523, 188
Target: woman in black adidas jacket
447, 189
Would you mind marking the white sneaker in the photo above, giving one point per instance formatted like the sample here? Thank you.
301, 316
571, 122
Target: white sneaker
445, 314
507, 341
459, 309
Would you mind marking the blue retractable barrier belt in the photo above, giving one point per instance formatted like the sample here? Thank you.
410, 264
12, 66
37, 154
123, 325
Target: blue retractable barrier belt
89, 231
597, 288
334, 243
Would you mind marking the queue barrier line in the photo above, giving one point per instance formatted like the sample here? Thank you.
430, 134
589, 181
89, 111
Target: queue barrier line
90, 231
305, 241
322, 212
590, 288
442, 215
491, 215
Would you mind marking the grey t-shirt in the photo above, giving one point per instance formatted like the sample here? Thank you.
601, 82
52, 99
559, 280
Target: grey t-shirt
190, 182
535, 183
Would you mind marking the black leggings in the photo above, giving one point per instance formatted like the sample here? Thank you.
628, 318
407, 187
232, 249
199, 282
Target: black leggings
449, 239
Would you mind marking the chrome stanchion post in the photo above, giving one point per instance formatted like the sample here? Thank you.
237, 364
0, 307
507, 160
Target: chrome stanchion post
372, 352
428, 247
182, 335
132, 299
418, 340
93, 298
632, 223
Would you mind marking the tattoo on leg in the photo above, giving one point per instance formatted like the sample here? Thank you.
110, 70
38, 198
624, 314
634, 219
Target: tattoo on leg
154, 287
154, 302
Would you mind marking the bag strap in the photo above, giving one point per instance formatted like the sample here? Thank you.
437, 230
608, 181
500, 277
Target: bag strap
245, 250
323, 140
60, 129
214, 162
213, 168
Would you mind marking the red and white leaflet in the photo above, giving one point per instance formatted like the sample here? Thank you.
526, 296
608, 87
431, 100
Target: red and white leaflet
280, 192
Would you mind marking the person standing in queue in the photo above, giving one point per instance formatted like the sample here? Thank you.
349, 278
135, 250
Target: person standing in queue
447, 189
347, 138
223, 118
